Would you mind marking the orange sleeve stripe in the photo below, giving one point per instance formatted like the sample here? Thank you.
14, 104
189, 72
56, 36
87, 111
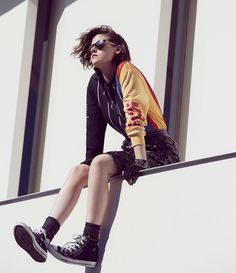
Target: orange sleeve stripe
151, 122
119, 68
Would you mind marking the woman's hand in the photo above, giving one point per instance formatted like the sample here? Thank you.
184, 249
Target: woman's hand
131, 173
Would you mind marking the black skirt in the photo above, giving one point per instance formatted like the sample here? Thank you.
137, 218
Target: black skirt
160, 147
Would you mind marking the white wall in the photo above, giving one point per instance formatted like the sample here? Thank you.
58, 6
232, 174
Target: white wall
138, 22
211, 123
179, 221
17, 35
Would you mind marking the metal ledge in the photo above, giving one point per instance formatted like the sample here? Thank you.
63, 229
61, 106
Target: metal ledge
165, 168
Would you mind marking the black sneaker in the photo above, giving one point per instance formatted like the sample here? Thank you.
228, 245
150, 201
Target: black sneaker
83, 251
34, 242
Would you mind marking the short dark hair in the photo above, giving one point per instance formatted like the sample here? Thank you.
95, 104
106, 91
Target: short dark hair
81, 50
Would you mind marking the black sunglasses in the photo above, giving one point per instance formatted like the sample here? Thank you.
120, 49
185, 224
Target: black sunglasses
100, 44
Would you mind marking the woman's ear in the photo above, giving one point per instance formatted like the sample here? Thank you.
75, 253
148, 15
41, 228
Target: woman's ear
118, 50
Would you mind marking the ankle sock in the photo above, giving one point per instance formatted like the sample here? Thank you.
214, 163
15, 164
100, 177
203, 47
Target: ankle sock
92, 230
51, 226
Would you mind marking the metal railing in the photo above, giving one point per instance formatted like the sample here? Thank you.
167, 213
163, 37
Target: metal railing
175, 166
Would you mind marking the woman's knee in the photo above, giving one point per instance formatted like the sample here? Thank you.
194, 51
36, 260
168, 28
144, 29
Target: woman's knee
104, 162
79, 174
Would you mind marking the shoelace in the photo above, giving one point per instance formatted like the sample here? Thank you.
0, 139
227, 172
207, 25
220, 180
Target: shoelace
42, 235
80, 240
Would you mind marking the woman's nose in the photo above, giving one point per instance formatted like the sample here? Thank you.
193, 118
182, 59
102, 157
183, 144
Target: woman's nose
93, 49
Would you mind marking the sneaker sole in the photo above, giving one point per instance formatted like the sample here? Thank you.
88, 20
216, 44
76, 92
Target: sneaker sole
26, 240
64, 259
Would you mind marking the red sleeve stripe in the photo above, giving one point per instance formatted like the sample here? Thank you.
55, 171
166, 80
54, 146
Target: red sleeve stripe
119, 68
152, 123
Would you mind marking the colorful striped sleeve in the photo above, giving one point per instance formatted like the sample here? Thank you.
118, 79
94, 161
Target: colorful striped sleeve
136, 102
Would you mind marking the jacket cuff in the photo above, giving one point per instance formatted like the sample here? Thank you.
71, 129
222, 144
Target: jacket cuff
137, 140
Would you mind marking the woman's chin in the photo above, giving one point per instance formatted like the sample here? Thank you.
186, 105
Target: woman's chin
96, 65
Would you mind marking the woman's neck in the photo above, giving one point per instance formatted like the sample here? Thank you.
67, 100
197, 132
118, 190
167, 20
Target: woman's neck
108, 72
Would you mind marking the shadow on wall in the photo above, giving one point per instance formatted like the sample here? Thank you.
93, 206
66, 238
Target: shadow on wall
49, 14
7, 5
113, 203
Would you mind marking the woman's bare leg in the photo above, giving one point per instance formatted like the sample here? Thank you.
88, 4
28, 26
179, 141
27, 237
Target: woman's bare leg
70, 192
101, 169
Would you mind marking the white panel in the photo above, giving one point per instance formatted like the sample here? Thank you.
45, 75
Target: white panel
10, 56
138, 23
179, 221
212, 114
15, 55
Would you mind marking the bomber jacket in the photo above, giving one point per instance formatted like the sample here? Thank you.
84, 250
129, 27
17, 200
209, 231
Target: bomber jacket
127, 103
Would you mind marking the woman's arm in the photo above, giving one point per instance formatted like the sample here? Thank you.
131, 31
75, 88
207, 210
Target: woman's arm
140, 152
140, 163
95, 125
136, 103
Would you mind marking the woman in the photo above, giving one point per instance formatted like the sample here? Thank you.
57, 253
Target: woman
118, 94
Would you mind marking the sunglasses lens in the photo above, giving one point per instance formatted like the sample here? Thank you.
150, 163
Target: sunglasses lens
98, 45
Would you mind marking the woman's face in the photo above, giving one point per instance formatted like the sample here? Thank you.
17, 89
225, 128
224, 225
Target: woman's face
102, 53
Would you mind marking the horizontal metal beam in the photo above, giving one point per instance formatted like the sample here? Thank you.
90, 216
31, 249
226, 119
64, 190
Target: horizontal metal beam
150, 171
